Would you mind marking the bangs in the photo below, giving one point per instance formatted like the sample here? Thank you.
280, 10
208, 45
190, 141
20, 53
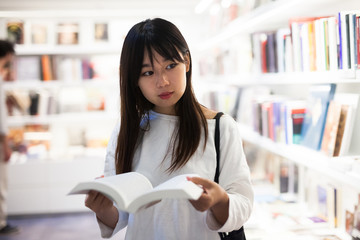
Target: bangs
165, 48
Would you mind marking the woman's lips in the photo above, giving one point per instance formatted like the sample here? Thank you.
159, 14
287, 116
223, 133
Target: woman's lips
166, 95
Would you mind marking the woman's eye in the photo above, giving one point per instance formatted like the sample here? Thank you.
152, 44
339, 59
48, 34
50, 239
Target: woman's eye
148, 73
171, 66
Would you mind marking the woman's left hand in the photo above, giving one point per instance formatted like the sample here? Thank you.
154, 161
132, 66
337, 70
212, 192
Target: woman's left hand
214, 198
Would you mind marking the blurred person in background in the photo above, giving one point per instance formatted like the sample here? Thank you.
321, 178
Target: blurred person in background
7, 54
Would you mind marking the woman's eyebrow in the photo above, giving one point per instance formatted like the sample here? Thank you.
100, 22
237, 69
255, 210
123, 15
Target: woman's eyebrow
146, 65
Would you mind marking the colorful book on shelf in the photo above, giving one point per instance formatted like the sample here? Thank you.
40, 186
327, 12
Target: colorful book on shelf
15, 32
293, 119
302, 35
341, 129
331, 128
101, 32
344, 40
357, 24
270, 54
315, 116
347, 121
67, 33
288, 54
256, 52
18, 102
39, 33
314, 43
340, 39
142, 194
352, 37
34, 103
278, 125
46, 67
348, 37
263, 59
27, 68
281, 47
327, 203
266, 119
332, 43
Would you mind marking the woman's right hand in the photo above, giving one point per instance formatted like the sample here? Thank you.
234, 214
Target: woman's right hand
103, 207
97, 202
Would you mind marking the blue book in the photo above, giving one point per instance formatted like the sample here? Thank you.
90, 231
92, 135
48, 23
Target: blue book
315, 115
340, 60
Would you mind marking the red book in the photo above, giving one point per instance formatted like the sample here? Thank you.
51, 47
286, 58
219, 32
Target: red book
46, 68
263, 43
358, 41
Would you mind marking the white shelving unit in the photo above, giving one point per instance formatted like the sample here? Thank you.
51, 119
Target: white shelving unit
44, 181
273, 79
47, 180
276, 14
68, 49
303, 156
269, 17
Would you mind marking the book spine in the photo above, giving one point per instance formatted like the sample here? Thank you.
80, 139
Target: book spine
340, 41
358, 40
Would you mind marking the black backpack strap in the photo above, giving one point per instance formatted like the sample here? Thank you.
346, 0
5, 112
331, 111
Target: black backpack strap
217, 145
236, 234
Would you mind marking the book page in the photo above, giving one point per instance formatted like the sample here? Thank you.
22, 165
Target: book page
176, 188
122, 188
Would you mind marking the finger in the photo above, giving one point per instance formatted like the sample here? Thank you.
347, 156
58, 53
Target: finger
200, 181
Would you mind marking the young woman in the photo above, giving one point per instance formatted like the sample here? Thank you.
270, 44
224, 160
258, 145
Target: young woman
165, 132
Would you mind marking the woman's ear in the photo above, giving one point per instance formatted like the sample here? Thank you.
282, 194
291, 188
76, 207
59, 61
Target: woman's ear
187, 61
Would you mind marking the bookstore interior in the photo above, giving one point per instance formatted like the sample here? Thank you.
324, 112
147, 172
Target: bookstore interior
285, 70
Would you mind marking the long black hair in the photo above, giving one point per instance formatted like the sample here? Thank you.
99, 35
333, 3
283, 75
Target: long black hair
6, 47
163, 37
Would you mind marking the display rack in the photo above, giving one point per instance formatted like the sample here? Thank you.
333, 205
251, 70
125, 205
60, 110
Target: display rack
234, 37
45, 178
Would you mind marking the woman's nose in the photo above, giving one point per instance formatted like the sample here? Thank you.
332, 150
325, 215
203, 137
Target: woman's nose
162, 80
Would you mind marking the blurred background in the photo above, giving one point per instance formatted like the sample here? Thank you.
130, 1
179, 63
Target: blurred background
286, 70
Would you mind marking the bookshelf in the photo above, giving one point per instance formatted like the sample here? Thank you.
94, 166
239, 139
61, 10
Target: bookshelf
274, 15
228, 57
302, 156
66, 144
78, 137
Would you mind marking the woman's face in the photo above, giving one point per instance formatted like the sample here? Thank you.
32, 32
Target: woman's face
164, 83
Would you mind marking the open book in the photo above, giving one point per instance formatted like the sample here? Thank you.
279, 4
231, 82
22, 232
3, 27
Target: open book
133, 191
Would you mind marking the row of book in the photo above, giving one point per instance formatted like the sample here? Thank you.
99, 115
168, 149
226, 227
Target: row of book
326, 207
62, 33
329, 204
337, 205
53, 67
323, 121
45, 102
310, 44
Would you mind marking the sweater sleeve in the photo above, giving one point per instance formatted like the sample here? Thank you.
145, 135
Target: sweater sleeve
234, 178
110, 170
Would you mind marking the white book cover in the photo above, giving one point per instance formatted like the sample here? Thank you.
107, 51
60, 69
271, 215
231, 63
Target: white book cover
352, 100
280, 47
333, 59
344, 41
